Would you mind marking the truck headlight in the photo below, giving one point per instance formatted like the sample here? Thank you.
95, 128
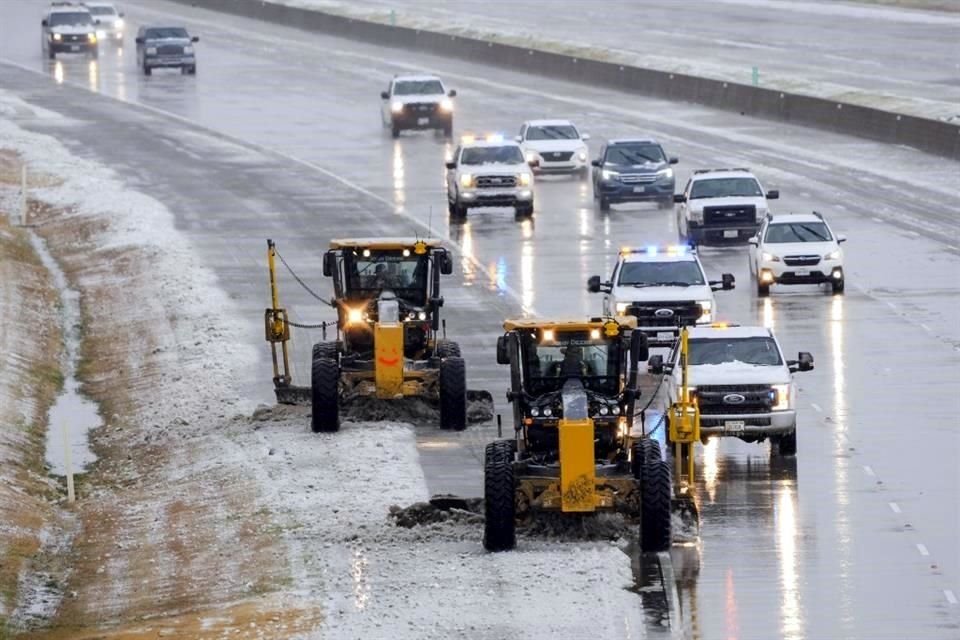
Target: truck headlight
57, 37
609, 175
446, 105
101, 34
547, 412
396, 106
534, 411
466, 180
781, 400
696, 215
833, 255
354, 316
118, 23
188, 49
92, 38
151, 51
665, 174
524, 179
762, 213
622, 307
769, 257
706, 311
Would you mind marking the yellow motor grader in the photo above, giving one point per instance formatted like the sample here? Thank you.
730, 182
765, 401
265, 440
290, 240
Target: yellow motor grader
387, 297
573, 387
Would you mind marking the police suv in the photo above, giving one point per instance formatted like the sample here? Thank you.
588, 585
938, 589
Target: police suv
664, 287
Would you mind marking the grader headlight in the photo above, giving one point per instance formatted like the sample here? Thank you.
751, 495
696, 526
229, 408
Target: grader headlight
355, 316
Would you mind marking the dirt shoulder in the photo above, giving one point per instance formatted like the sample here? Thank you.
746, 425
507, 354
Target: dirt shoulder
30, 347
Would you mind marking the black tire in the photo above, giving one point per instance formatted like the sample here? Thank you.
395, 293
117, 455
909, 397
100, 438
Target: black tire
763, 290
192, 70
500, 507
787, 444
655, 507
448, 349
837, 286
457, 210
524, 210
325, 350
395, 131
147, 70
51, 54
644, 451
499, 451
604, 204
325, 396
453, 394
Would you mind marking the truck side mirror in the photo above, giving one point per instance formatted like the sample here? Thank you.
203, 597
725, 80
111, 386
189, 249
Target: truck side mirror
138, 40
195, 39
841, 238
584, 136
43, 23
533, 162
773, 194
729, 282
446, 264
804, 362
329, 264
595, 285
754, 240
639, 350
385, 95
596, 163
674, 160
503, 355
451, 165
655, 365
679, 198
452, 93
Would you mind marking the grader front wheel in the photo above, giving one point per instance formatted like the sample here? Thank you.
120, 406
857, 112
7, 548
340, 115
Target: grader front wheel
655, 507
324, 395
499, 531
453, 394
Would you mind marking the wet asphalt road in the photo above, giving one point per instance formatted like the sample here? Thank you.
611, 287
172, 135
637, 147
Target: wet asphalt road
278, 136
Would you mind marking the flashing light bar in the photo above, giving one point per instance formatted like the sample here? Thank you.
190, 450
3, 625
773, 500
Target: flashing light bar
653, 250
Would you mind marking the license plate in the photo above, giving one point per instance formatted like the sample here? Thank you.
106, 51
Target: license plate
665, 336
802, 272
730, 233
74, 47
423, 120
639, 189
734, 426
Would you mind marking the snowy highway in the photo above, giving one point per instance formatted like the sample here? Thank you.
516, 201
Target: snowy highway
278, 136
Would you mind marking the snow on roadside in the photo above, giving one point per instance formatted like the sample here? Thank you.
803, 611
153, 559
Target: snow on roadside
326, 497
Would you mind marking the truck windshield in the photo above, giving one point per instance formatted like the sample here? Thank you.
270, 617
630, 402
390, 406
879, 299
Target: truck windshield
102, 11
552, 132
631, 154
726, 188
63, 18
491, 155
417, 87
798, 232
754, 351
406, 276
652, 274
165, 32
547, 365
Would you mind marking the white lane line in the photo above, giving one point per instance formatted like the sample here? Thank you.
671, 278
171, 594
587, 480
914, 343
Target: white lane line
890, 304
869, 471
948, 593
925, 327
912, 233
894, 507
950, 246
816, 407
880, 220
922, 549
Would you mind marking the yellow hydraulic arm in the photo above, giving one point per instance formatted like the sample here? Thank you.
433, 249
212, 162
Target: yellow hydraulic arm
276, 326
684, 427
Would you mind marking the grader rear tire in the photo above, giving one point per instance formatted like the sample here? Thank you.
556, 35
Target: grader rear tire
655, 507
453, 394
499, 529
325, 396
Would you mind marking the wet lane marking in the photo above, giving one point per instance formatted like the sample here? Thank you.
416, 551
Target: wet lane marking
880, 220
922, 549
925, 327
816, 407
894, 507
948, 593
869, 471
890, 304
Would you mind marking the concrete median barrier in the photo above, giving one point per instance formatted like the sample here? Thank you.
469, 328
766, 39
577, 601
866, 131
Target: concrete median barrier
932, 136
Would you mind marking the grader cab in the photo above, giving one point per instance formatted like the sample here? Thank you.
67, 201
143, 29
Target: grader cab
573, 387
387, 346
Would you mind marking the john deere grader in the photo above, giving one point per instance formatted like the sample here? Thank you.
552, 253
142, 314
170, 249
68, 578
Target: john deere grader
573, 386
387, 343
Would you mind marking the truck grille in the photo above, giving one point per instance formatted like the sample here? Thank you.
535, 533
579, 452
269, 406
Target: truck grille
73, 37
170, 50
638, 178
734, 399
722, 216
496, 182
557, 156
422, 107
665, 314
801, 261
749, 422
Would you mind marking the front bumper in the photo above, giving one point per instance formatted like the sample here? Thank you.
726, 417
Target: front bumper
72, 47
109, 34
155, 62
780, 273
573, 165
750, 425
699, 232
616, 191
408, 119
495, 197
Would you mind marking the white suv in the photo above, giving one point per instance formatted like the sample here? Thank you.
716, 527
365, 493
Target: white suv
556, 145
108, 21
68, 28
664, 288
720, 205
489, 172
796, 249
742, 383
